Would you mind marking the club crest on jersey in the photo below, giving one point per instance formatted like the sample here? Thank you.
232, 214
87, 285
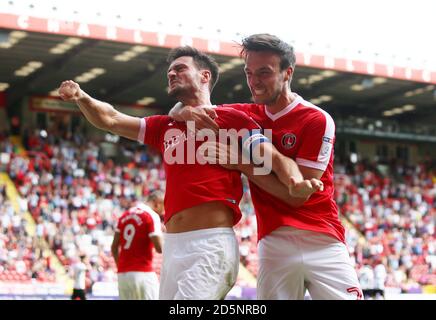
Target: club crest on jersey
288, 140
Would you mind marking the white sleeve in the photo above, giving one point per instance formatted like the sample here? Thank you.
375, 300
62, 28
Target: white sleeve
317, 148
141, 134
157, 225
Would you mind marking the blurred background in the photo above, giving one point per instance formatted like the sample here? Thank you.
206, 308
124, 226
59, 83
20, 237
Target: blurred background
63, 183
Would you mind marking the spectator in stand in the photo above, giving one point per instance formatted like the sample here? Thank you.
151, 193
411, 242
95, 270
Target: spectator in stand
79, 272
380, 275
393, 208
366, 279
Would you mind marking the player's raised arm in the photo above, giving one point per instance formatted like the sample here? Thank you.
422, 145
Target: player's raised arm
100, 114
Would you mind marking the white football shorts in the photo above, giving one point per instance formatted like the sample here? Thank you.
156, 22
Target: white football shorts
138, 286
199, 265
293, 260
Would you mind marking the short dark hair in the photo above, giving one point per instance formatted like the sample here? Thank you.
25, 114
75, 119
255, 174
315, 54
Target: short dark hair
267, 42
201, 60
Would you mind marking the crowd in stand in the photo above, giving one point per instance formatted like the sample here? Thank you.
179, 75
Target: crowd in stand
22, 257
74, 194
393, 205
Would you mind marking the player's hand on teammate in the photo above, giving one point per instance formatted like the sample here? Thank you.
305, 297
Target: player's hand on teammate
203, 116
304, 188
70, 91
224, 155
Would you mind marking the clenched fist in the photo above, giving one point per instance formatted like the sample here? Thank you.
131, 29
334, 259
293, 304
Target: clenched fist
70, 91
305, 188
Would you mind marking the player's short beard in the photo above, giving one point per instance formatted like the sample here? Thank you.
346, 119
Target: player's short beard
177, 92
269, 100
181, 92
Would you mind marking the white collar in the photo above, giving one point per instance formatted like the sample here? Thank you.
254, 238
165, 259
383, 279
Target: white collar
286, 110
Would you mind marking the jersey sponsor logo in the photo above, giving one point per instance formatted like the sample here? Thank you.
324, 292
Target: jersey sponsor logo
174, 139
288, 140
182, 147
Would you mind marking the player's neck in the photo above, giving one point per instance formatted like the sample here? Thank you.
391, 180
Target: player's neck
282, 101
199, 98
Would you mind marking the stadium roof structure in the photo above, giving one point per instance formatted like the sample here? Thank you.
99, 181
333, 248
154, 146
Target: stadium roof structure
128, 66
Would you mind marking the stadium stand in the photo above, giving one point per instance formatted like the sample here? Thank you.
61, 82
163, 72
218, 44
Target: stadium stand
62, 186
74, 195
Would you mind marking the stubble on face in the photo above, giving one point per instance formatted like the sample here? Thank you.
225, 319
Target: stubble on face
269, 99
182, 91
175, 92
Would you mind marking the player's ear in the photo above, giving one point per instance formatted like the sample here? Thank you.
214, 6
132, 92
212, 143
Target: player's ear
206, 75
288, 73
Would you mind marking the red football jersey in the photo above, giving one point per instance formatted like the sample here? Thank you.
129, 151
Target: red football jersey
136, 226
188, 182
305, 133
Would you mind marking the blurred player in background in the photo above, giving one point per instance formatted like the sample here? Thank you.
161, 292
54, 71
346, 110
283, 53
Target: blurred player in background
380, 275
79, 273
366, 279
200, 254
138, 231
301, 243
